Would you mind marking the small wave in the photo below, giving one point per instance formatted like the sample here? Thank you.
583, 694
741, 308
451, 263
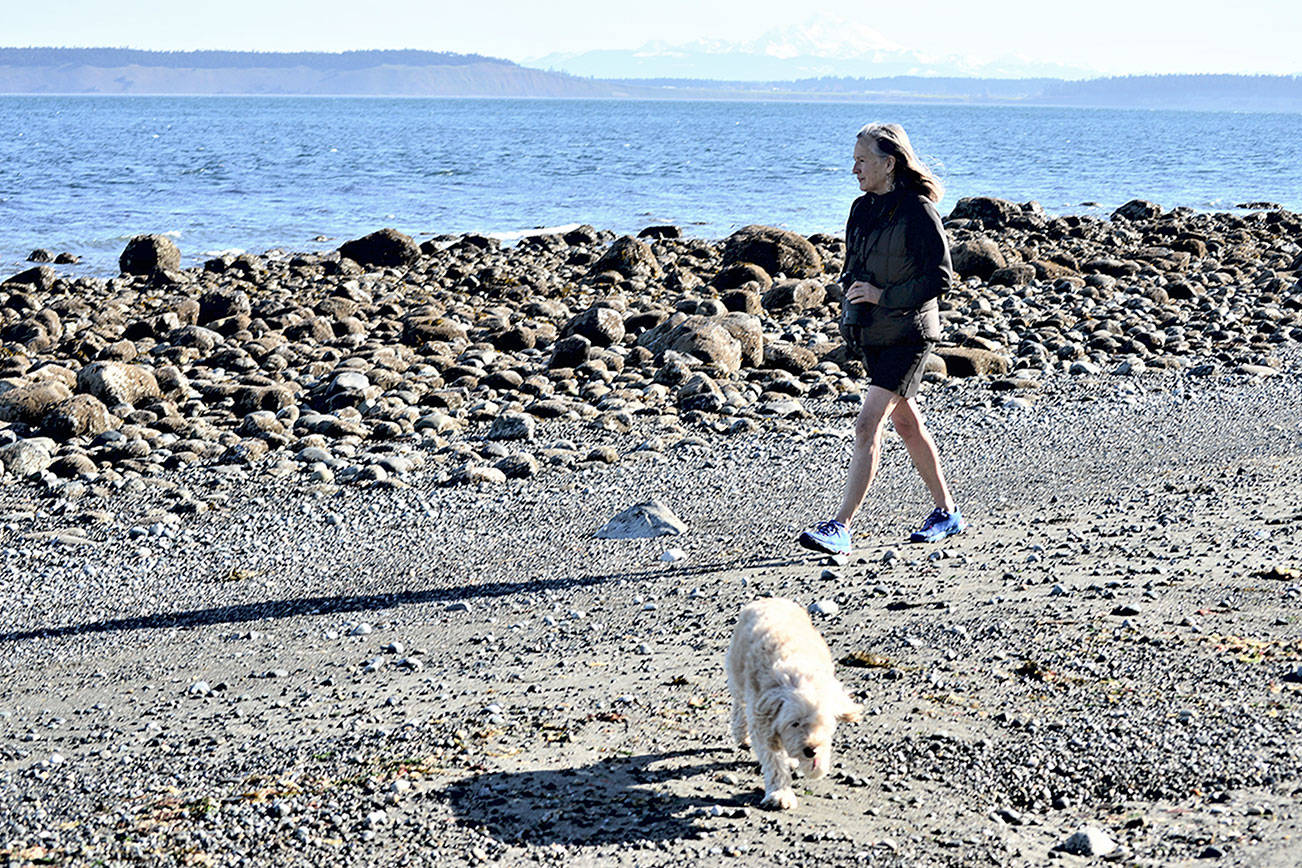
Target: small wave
229, 251
519, 234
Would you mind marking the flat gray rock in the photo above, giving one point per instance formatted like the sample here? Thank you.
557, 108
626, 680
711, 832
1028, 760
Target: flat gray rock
641, 521
1088, 841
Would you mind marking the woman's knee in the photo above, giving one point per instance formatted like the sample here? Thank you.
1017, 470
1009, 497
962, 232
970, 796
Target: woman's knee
908, 422
867, 430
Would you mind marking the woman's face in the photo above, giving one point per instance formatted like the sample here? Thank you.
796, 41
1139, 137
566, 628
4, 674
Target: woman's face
876, 173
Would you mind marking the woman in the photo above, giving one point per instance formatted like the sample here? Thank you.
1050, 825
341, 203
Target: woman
896, 266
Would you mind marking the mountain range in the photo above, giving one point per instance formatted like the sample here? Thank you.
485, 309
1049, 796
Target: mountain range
825, 46
446, 74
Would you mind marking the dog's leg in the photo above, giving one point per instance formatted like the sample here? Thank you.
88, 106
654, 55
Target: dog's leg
777, 778
739, 721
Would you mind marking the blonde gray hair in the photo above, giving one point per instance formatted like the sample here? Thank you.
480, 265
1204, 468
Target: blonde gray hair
890, 140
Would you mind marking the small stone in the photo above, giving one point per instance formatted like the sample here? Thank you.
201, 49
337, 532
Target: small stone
199, 688
673, 556
513, 426
824, 608
362, 629
640, 521
458, 606
1088, 841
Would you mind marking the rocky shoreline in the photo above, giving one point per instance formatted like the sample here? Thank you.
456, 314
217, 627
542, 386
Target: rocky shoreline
333, 361
301, 563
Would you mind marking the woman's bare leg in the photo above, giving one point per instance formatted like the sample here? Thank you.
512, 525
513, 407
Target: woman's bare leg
877, 405
907, 419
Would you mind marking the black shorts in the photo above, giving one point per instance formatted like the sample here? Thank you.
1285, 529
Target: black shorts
896, 368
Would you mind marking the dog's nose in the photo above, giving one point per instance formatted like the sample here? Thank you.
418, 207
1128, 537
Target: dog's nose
810, 752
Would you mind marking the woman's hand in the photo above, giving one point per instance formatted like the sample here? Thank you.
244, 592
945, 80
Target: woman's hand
861, 291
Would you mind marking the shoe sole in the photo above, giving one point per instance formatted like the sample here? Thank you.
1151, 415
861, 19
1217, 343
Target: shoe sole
914, 538
805, 541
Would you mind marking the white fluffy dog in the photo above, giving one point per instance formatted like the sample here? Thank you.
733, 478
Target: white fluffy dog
784, 695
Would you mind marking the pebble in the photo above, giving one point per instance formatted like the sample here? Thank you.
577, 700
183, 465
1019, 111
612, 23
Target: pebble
362, 629
824, 608
673, 556
1088, 841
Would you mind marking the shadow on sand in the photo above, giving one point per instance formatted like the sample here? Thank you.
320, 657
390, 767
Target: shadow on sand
343, 604
618, 800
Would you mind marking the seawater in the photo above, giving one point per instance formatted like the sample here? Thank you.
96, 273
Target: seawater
85, 173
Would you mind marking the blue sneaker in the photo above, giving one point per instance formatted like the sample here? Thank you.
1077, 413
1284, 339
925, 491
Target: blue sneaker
828, 537
939, 525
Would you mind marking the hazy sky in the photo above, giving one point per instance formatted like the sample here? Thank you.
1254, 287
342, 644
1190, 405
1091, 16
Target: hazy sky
1111, 36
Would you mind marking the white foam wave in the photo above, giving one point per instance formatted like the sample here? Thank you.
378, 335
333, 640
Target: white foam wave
506, 237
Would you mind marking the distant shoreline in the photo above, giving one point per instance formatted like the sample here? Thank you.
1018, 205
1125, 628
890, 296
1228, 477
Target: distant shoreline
801, 99
397, 74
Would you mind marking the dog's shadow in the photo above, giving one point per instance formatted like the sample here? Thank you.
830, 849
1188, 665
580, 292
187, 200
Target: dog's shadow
615, 800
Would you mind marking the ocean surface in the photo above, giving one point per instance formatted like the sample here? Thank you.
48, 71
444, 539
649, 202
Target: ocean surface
84, 174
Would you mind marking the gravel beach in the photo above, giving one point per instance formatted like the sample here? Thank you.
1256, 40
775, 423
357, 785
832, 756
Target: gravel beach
300, 555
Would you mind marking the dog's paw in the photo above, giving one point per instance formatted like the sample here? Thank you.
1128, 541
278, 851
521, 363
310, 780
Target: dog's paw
780, 800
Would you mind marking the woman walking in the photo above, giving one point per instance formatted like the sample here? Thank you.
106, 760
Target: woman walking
896, 267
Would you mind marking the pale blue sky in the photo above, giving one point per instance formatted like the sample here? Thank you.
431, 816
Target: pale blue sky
1111, 36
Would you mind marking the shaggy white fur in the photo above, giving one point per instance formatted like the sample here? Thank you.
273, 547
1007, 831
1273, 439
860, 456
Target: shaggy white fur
785, 697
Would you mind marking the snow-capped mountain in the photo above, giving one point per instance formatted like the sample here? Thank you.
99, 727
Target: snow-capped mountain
823, 46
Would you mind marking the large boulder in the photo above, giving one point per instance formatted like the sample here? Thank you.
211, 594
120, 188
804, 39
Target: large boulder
629, 257
28, 403
987, 210
570, 352
149, 254
219, 304
118, 383
748, 332
794, 294
739, 274
972, 362
42, 277
512, 426
777, 251
418, 330
1017, 274
77, 416
22, 458
1138, 209
704, 338
602, 326
700, 392
977, 257
786, 356
384, 248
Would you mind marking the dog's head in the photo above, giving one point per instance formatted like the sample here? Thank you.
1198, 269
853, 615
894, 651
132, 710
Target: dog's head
804, 719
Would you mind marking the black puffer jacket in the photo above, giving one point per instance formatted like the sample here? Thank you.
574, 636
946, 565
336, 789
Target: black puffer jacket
896, 241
